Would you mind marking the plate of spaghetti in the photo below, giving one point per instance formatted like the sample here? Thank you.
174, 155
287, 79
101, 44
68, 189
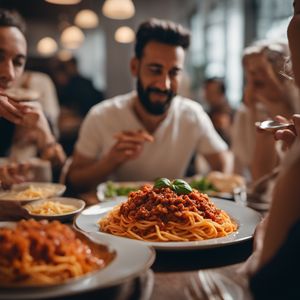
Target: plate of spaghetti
58, 261
29, 191
166, 220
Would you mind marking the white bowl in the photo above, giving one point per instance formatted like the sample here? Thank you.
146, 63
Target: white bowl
77, 203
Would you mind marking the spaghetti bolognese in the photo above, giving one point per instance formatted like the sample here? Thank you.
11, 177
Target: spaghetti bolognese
42, 252
161, 215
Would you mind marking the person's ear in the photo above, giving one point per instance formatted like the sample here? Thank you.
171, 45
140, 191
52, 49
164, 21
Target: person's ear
134, 66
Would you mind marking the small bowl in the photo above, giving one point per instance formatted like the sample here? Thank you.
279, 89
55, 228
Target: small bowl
77, 203
54, 189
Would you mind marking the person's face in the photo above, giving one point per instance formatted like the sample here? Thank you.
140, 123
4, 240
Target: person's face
213, 94
158, 75
294, 43
13, 50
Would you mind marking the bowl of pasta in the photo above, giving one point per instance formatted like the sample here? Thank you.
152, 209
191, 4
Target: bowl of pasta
29, 191
59, 208
34, 253
47, 259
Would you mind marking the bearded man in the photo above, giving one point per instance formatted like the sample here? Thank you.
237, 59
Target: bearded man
151, 132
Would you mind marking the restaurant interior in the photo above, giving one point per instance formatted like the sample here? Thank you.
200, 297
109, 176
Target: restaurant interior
149, 175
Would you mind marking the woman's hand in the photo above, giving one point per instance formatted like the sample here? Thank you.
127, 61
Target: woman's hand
288, 136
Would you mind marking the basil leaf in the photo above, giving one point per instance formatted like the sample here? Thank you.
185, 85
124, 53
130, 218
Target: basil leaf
203, 185
179, 186
162, 183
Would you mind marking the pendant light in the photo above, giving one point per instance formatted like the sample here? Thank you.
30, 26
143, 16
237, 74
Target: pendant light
72, 37
118, 9
124, 35
87, 19
47, 46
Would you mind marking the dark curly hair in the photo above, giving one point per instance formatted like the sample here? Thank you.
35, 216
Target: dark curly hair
162, 31
11, 18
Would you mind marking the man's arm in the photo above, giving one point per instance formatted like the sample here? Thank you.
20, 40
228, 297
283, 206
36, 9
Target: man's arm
220, 161
86, 173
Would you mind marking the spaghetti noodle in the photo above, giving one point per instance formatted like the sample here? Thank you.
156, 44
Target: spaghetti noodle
50, 208
160, 215
30, 193
45, 253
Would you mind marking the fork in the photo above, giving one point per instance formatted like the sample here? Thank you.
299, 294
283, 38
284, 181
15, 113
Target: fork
193, 290
208, 287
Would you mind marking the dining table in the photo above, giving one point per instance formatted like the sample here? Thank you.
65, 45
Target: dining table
172, 271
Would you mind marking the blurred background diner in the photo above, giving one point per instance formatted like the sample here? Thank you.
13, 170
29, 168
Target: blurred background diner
77, 54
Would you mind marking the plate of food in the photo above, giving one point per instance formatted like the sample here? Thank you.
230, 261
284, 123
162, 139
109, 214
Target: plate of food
218, 184
29, 191
111, 190
57, 208
171, 216
71, 263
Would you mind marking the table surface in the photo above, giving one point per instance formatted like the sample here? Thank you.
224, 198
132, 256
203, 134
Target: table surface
171, 271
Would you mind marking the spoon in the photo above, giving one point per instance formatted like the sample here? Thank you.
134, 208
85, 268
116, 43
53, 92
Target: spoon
273, 126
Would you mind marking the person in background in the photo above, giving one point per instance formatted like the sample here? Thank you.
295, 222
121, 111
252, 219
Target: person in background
150, 132
275, 261
13, 50
77, 94
219, 110
267, 93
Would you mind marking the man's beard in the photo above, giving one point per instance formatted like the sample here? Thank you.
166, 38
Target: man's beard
154, 108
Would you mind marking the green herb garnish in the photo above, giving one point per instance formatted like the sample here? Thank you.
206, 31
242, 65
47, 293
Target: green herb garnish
112, 190
179, 186
203, 185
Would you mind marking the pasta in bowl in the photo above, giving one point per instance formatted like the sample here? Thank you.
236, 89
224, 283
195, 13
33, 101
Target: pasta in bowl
61, 208
29, 191
42, 253
166, 212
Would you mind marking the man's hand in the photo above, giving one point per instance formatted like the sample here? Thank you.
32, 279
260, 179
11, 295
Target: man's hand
129, 145
17, 113
13, 173
10, 110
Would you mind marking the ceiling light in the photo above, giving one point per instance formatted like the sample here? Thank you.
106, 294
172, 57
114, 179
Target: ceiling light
63, 2
86, 18
47, 46
72, 37
118, 9
124, 35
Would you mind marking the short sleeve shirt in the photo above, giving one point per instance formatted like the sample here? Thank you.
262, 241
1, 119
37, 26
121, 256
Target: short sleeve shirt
186, 130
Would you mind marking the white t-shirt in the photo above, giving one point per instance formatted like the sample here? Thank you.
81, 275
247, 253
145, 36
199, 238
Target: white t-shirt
186, 129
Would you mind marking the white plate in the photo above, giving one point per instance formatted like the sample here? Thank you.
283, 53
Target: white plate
52, 189
132, 259
77, 203
246, 218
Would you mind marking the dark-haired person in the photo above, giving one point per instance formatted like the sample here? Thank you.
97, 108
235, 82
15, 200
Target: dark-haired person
13, 53
150, 132
279, 260
219, 109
